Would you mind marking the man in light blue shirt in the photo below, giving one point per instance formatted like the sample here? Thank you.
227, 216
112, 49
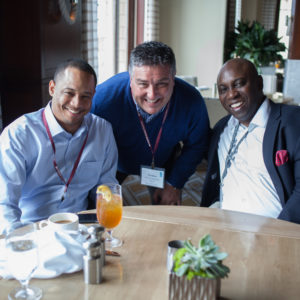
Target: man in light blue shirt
50, 159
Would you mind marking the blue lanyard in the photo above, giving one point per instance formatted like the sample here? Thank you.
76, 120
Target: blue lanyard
232, 151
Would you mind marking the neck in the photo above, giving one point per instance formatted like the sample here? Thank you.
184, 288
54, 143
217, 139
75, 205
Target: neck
247, 122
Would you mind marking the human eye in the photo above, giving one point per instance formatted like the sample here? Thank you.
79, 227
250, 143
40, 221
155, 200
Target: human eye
68, 93
162, 84
86, 97
222, 89
142, 84
239, 83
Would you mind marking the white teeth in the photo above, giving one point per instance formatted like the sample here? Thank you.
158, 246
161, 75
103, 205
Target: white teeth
236, 104
73, 111
152, 101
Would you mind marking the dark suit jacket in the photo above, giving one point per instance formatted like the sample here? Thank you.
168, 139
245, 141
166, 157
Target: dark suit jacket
282, 133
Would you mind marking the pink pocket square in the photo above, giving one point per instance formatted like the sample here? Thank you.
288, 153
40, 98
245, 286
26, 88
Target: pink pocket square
281, 157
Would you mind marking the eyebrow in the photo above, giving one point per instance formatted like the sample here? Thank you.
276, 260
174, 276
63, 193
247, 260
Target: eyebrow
240, 78
233, 81
141, 80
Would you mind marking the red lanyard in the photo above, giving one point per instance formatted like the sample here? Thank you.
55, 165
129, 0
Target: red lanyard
54, 160
159, 133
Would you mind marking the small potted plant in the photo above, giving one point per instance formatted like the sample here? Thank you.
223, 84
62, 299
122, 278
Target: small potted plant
197, 271
253, 42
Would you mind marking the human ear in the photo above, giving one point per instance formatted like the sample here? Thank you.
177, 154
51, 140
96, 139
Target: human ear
260, 83
51, 87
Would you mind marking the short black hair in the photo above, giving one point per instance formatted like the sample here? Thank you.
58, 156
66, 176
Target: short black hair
151, 54
75, 63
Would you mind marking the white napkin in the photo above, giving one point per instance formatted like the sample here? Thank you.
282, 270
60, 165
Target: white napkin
59, 252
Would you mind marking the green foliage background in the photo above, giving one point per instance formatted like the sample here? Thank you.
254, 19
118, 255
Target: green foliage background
255, 43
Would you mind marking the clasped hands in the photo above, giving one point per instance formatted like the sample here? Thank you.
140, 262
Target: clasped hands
167, 196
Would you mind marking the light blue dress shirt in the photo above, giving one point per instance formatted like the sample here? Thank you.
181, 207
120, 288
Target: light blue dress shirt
30, 188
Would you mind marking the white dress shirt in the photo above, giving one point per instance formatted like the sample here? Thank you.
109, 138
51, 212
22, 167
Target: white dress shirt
30, 188
247, 186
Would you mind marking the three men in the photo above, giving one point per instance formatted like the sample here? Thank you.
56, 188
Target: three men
151, 112
50, 159
254, 154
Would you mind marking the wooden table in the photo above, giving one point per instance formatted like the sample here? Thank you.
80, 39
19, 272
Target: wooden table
264, 256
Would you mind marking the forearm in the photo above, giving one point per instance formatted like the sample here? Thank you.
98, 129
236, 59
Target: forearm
12, 178
8, 215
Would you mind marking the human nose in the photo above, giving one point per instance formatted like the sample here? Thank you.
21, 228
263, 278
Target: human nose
75, 101
232, 93
151, 93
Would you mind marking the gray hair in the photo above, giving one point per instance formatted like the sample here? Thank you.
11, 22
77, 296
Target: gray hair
152, 54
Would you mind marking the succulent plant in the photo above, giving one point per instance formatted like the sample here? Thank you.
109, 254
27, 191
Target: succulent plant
204, 261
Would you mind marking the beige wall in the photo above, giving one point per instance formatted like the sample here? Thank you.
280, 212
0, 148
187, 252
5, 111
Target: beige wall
250, 10
195, 30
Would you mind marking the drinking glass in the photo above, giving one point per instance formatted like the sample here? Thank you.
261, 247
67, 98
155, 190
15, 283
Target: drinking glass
109, 210
22, 258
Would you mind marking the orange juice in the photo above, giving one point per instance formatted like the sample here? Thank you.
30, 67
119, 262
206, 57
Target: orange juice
109, 213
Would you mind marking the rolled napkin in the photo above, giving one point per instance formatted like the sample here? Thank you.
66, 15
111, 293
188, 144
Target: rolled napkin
59, 252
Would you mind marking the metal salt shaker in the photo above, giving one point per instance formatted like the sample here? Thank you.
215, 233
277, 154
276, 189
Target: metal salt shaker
92, 265
96, 231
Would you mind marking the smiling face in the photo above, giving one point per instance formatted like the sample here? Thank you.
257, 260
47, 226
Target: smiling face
72, 95
240, 89
152, 87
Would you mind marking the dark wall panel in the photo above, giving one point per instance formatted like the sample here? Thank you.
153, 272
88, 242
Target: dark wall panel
34, 39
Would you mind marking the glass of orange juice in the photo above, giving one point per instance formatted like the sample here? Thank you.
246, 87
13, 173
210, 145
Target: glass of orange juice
109, 210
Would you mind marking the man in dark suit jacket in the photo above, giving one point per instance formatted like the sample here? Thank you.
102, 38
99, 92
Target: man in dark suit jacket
276, 192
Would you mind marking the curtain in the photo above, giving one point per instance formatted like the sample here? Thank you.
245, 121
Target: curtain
89, 37
151, 25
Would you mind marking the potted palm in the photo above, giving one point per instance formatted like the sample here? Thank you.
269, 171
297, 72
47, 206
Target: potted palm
197, 271
253, 42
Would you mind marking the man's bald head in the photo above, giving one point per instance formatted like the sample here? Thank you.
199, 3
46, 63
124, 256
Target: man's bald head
240, 63
240, 89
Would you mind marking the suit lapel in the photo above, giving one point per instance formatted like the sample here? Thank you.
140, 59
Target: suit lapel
218, 131
213, 150
270, 145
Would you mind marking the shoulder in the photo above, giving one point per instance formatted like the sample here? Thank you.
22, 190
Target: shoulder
97, 122
100, 130
183, 88
286, 113
284, 121
118, 82
110, 93
25, 124
289, 109
23, 130
187, 98
221, 123
99, 127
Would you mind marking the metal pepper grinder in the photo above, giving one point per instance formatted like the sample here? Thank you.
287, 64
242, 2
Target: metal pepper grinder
92, 265
96, 231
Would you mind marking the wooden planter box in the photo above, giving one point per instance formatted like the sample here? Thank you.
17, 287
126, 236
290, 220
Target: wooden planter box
197, 288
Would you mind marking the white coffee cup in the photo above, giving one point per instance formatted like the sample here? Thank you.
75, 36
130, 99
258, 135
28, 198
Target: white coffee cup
61, 221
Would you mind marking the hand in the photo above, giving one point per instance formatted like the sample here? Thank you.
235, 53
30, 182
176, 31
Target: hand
167, 196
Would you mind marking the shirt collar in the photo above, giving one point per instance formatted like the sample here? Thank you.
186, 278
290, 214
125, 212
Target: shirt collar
260, 119
146, 117
55, 127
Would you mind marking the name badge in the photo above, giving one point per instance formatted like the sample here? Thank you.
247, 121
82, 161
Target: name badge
154, 177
